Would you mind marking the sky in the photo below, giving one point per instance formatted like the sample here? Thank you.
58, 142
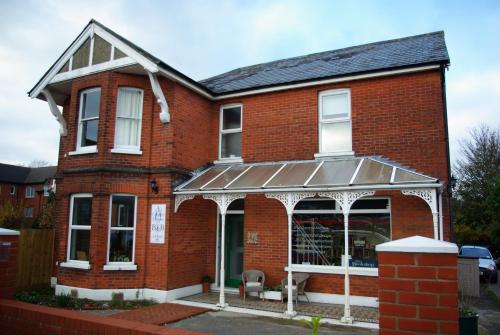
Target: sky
205, 38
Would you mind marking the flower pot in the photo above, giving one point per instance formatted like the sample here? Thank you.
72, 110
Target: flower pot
468, 325
206, 287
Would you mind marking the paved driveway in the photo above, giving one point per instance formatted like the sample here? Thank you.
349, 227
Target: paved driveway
229, 323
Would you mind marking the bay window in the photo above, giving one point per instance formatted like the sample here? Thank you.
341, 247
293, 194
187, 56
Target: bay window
318, 232
79, 231
128, 120
230, 132
335, 130
121, 232
88, 123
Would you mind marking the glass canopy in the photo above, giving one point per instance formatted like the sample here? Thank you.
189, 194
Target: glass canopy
303, 174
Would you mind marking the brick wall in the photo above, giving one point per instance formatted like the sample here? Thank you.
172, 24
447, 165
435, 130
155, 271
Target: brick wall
19, 197
8, 264
26, 319
418, 293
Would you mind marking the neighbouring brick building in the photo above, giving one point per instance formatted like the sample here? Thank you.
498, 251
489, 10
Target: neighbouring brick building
157, 171
26, 187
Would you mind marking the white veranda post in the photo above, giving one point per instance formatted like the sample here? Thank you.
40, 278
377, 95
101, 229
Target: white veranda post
223, 201
289, 200
345, 200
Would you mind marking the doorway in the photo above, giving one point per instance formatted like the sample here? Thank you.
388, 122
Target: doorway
234, 249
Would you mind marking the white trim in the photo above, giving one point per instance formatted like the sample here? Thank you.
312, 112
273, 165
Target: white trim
82, 151
339, 270
320, 155
131, 149
122, 265
217, 176
119, 266
75, 265
329, 81
238, 177
274, 175
355, 174
13, 190
160, 97
184, 82
314, 173
30, 194
91, 49
9, 232
131, 293
63, 129
393, 175
229, 160
229, 131
84, 71
126, 151
322, 121
53, 282
418, 244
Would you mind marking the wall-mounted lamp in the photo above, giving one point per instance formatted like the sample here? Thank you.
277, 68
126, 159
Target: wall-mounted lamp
154, 186
453, 182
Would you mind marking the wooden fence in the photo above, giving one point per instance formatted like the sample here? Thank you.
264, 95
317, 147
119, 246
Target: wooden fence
35, 257
468, 276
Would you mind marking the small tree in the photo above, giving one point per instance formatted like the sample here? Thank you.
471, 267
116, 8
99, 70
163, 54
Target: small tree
11, 215
45, 219
477, 194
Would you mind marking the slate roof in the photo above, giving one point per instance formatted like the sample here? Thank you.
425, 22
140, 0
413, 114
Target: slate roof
24, 175
399, 53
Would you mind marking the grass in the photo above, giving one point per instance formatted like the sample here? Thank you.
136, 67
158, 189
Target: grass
47, 297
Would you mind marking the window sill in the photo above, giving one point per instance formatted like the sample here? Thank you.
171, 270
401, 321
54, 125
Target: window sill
75, 265
370, 272
83, 152
120, 267
334, 154
126, 151
229, 160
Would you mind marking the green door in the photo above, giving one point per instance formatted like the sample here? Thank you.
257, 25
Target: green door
234, 249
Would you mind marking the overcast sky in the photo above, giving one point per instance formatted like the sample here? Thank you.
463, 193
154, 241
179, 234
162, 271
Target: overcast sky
204, 38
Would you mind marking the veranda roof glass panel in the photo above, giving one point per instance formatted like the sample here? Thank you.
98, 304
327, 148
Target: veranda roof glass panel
373, 172
255, 177
335, 173
204, 178
226, 177
293, 175
403, 176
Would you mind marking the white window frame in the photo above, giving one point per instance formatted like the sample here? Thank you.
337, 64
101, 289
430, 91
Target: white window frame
46, 190
29, 212
13, 190
91, 148
73, 263
322, 94
229, 131
123, 266
336, 269
128, 149
30, 192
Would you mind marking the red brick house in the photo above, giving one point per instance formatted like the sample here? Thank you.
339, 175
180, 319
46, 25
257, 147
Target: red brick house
27, 187
286, 164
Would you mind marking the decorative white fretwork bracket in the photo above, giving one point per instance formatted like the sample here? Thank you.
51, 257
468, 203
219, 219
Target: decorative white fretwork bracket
346, 198
179, 199
429, 196
290, 199
160, 98
63, 130
224, 200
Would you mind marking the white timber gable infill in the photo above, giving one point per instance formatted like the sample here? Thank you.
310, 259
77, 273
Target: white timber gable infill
96, 50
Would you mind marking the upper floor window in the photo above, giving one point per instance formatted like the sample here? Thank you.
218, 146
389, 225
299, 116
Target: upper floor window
128, 119
88, 120
335, 132
230, 132
28, 212
30, 192
12, 190
46, 190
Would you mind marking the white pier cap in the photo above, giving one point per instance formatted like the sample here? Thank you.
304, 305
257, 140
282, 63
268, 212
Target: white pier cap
418, 244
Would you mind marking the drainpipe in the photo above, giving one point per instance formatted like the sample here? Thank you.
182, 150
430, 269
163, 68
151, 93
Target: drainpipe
446, 138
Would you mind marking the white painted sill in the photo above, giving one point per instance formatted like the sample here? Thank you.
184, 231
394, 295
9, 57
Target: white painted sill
83, 152
120, 267
334, 154
369, 272
229, 160
75, 265
126, 151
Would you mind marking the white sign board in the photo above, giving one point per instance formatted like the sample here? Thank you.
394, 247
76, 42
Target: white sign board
158, 213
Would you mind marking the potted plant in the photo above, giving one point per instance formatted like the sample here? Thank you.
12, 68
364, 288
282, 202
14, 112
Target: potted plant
468, 318
205, 282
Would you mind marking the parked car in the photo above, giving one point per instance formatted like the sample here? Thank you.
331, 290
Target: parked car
487, 266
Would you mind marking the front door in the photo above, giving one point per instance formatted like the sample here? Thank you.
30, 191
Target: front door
234, 249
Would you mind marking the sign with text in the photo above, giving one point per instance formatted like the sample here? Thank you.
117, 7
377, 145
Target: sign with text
158, 213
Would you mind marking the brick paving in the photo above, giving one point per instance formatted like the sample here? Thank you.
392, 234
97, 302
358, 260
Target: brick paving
159, 314
332, 311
